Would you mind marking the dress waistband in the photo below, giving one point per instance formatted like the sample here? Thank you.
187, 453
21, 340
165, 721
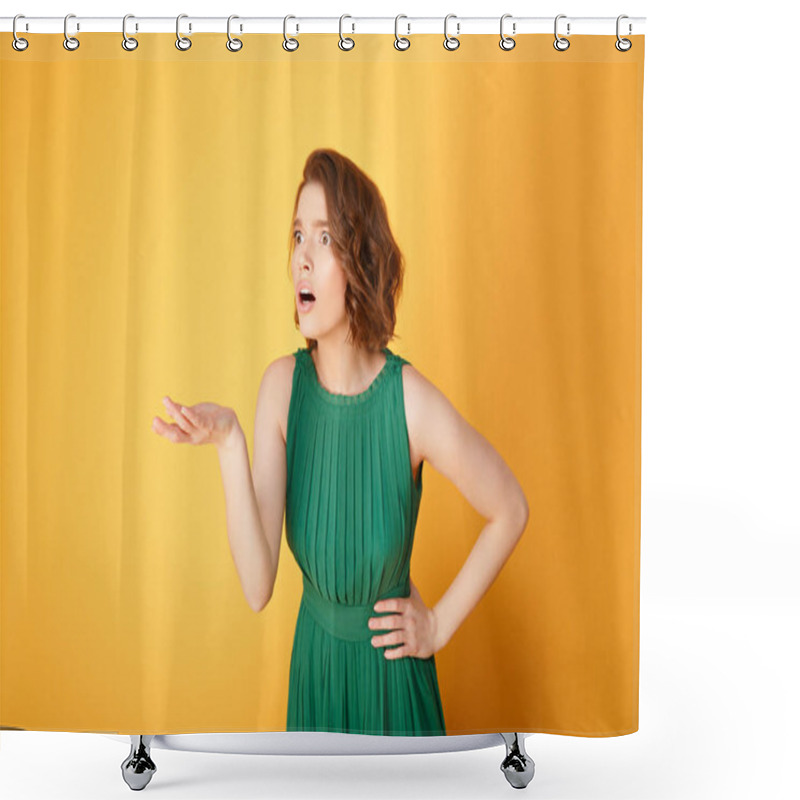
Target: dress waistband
346, 621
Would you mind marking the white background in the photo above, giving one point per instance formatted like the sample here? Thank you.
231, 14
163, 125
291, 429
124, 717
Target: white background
719, 601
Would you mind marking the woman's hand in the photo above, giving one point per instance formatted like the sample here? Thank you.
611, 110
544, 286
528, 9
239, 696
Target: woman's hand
203, 423
413, 626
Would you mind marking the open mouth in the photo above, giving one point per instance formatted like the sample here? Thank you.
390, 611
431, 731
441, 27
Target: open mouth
306, 299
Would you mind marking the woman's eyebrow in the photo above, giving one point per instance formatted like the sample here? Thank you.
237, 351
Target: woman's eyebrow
320, 223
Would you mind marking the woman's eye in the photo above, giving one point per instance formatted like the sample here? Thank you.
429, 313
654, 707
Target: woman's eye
326, 235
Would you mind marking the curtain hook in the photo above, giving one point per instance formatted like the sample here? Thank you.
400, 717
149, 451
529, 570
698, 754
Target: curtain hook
400, 42
18, 43
451, 42
623, 45
70, 42
287, 39
128, 42
560, 43
506, 42
234, 45
182, 42
345, 42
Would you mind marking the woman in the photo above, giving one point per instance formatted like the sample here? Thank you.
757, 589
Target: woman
341, 431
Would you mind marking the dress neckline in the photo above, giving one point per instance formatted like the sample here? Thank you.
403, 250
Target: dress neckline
349, 399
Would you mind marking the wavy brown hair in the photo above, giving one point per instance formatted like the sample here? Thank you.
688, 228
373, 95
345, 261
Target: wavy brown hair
363, 244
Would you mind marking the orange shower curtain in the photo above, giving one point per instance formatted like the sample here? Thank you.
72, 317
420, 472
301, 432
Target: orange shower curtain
146, 204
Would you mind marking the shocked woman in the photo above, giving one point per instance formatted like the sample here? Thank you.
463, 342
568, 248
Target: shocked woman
342, 429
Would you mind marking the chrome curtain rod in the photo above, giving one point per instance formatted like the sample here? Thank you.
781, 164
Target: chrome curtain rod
402, 24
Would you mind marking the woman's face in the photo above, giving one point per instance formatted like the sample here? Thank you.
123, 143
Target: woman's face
315, 267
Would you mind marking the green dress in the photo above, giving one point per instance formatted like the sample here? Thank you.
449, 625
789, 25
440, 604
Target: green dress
351, 512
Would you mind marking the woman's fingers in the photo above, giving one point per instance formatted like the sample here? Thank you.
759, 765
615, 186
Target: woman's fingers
191, 415
198, 424
175, 412
169, 431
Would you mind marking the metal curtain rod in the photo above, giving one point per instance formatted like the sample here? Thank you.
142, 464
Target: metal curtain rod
407, 25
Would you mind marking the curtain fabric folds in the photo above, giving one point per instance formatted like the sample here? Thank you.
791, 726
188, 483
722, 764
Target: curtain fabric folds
146, 210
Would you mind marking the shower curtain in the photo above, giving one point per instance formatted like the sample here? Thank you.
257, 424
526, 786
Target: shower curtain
148, 250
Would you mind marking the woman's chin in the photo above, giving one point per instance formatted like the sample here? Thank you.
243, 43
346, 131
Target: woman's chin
308, 331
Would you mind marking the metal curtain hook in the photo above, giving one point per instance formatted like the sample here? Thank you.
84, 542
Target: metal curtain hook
345, 42
506, 42
18, 43
290, 44
451, 42
234, 45
400, 42
70, 42
182, 42
560, 42
128, 42
623, 45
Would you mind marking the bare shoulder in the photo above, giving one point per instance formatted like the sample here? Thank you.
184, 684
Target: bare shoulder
454, 448
276, 389
421, 397
434, 423
417, 388
413, 391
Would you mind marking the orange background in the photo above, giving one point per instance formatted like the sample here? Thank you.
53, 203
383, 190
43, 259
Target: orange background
146, 199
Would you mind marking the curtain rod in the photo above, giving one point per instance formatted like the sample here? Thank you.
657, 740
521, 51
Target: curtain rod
348, 24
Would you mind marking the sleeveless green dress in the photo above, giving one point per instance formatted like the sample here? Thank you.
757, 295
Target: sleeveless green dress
351, 512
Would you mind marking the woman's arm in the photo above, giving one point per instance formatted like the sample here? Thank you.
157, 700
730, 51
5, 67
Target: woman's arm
460, 453
255, 503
